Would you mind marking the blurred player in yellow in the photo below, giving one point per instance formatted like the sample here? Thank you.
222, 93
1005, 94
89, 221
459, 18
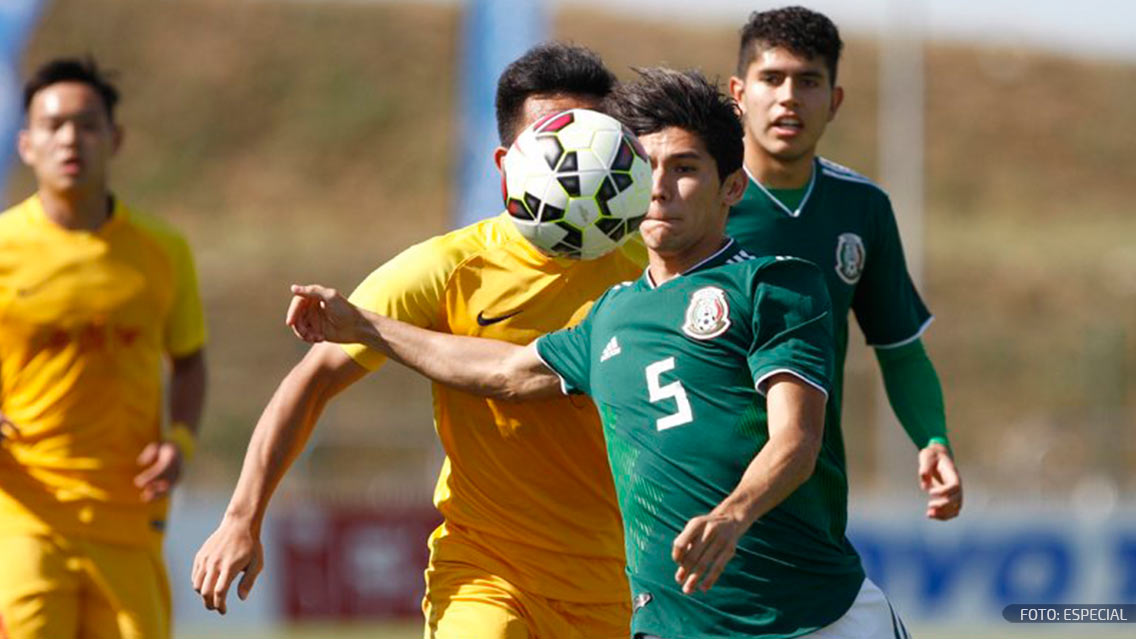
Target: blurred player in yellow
526, 549
94, 296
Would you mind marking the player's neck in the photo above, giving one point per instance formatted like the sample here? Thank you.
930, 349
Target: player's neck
776, 173
667, 266
79, 210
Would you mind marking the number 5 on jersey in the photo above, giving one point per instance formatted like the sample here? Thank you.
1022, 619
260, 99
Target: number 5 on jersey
674, 390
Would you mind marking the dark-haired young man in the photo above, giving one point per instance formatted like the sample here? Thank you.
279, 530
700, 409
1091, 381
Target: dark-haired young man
93, 297
710, 372
526, 549
800, 204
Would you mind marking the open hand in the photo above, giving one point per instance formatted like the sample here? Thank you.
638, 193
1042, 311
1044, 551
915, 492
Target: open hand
232, 549
703, 548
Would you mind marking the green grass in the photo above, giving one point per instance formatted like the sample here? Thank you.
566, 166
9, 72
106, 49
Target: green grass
391, 630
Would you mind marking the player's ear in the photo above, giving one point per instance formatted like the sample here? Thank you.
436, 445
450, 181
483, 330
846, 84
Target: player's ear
837, 99
499, 157
24, 146
737, 91
117, 135
733, 188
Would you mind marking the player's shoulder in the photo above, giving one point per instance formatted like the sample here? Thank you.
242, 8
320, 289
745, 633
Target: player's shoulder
15, 219
620, 289
450, 250
151, 226
784, 270
844, 177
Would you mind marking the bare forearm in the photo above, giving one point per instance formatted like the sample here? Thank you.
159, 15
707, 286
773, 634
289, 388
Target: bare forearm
796, 428
187, 390
779, 469
279, 437
480, 366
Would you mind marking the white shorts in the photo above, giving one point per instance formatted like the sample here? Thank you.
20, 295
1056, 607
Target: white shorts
870, 617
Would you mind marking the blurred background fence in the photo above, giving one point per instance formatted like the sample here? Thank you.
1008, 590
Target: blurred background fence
311, 141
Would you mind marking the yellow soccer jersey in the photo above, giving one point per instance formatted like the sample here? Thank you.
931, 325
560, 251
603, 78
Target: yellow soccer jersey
85, 321
525, 489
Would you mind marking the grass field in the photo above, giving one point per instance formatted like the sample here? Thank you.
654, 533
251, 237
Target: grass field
414, 631
394, 630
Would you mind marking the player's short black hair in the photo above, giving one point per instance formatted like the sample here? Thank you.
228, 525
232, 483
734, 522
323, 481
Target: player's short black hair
82, 70
804, 32
548, 69
663, 98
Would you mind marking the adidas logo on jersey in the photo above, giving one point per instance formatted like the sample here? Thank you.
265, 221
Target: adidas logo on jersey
611, 350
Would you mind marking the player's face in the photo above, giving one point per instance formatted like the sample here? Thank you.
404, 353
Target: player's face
786, 102
538, 106
688, 201
69, 138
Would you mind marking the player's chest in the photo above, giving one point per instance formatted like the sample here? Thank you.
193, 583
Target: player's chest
838, 245
517, 305
653, 347
52, 286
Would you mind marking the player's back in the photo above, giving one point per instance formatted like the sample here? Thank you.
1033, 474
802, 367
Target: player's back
525, 489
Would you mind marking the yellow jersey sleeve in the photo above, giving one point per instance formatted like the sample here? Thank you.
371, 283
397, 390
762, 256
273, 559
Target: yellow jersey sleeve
410, 288
635, 250
184, 332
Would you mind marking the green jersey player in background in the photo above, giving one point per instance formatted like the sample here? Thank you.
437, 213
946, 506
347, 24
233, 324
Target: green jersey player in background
710, 372
800, 204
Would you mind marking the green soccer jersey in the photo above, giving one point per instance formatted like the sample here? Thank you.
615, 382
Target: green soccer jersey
677, 372
844, 225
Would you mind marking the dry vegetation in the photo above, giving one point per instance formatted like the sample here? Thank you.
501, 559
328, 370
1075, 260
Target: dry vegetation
303, 142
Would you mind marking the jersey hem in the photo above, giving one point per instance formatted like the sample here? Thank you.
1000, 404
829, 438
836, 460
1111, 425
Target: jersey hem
563, 382
904, 342
759, 384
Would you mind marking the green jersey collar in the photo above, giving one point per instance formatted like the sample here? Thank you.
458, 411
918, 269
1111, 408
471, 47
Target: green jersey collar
784, 209
729, 252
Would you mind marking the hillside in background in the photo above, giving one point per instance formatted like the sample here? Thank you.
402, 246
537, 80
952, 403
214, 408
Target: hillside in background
313, 142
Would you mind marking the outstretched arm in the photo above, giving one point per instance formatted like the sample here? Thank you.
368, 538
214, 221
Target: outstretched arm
916, 396
280, 435
480, 366
796, 428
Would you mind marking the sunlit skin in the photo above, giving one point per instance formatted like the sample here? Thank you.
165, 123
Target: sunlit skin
68, 142
686, 219
786, 101
538, 106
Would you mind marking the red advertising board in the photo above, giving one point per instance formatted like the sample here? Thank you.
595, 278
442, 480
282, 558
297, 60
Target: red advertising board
345, 563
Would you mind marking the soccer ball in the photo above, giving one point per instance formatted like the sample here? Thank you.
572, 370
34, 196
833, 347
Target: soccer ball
576, 184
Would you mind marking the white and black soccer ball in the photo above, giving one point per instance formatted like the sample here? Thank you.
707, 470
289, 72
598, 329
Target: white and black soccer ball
577, 184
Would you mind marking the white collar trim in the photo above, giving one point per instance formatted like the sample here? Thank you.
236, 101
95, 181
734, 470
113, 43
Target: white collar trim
651, 281
780, 205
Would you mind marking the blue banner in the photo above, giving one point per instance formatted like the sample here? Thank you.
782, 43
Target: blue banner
17, 18
495, 33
